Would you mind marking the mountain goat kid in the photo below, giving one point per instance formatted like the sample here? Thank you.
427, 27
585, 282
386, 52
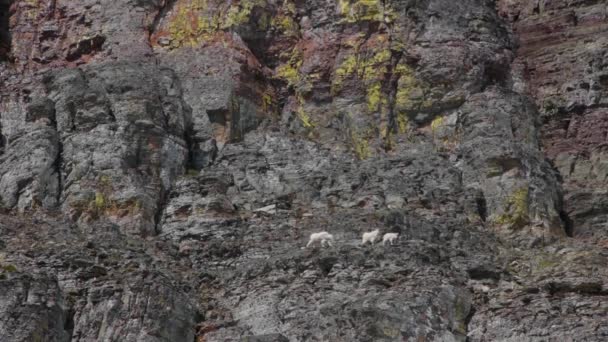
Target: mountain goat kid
323, 237
390, 238
370, 236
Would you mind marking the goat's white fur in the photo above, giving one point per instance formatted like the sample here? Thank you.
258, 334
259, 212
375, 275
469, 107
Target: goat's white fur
390, 238
370, 236
323, 237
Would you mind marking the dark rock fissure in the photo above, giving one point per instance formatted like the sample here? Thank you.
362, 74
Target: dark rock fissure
190, 145
496, 75
467, 320
2, 139
568, 223
166, 7
482, 208
69, 322
161, 204
58, 166
5, 34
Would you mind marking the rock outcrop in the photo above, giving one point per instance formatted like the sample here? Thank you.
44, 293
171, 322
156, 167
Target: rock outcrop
561, 57
163, 162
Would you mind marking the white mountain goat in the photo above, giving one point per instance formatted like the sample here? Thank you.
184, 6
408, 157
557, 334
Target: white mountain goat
390, 238
370, 236
323, 237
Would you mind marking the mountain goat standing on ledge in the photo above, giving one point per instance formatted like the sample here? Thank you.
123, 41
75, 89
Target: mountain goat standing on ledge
322, 236
370, 236
390, 237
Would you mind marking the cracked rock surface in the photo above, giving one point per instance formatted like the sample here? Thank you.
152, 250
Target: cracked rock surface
164, 162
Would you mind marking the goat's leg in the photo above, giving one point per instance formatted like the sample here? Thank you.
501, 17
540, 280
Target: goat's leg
308, 244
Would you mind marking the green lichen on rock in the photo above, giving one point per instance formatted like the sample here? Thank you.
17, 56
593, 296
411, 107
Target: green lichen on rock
461, 311
437, 123
192, 172
100, 201
345, 70
546, 262
290, 70
355, 11
190, 25
302, 114
300, 83
369, 69
516, 210
267, 102
305, 118
240, 13
375, 97
102, 204
410, 90
376, 66
360, 145
360, 64
32, 8
195, 21
8, 268
402, 122
284, 22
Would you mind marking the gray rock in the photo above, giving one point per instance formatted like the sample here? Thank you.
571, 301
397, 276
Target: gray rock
163, 164
32, 308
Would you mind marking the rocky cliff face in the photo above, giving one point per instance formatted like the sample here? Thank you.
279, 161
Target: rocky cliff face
562, 56
163, 163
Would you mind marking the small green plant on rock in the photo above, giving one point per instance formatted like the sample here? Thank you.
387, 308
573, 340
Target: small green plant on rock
516, 210
9, 268
360, 145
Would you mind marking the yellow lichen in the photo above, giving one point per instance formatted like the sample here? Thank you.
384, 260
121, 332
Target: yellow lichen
32, 8
369, 69
375, 97
192, 172
460, 315
285, 24
302, 115
437, 123
9, 268
194, 22
189, 26
360, 145
516, 210
402, 122
544, 263
289, 73
363, 10
100, 201
409, 90
346, 68
375, 67
305, 118
267, 102
238, 14
264, 21
290, 70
